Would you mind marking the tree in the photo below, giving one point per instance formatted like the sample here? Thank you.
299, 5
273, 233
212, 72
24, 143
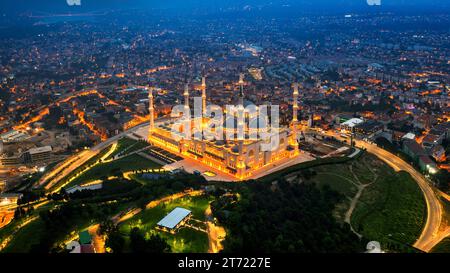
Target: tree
298, 219
18, 213
177, 186
442, 178
156, 244
137, 241
107, 227
115, 241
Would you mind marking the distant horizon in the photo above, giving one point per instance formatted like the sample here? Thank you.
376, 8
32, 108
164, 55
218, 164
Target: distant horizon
9, 7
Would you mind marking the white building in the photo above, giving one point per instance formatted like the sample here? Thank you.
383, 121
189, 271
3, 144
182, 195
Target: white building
351, 123
174, 219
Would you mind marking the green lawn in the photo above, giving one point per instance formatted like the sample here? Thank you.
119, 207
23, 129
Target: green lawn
361, 169
9, 229
115, 168
446, 210
444, 245
331, 161
391, 206
127, 145
394, 208
186, 240
90, 162
336, 182
138, 177
26, 237
34, 232
338, 178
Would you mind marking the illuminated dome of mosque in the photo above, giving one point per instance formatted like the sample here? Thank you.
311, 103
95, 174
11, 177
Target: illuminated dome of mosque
254, 123
235, 149
249, 103
219, 143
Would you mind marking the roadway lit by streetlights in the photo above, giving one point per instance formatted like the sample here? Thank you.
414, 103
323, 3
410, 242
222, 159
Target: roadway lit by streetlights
216, 234
102, 159
71, 164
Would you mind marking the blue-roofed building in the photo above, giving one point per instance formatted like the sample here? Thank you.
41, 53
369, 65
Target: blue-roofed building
174, 220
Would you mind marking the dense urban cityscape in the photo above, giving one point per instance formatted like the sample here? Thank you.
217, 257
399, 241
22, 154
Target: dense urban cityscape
88, 165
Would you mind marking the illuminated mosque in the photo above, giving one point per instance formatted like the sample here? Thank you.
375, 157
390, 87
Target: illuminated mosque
238, 157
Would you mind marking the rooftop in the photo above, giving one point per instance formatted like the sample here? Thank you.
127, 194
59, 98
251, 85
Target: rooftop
369, 125
40, 150
85, 237
414, 147
409, 136
353, 122
174, 218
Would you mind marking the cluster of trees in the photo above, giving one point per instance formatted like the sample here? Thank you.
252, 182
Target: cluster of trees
58, 196
25, 209
53, 119
331, 75
166, 186
85, 207
284, 217
114, 240
154, 244
442, 179
394, 148
138, 243
132, 191
23, 212
29, 196
112, 190
67, 217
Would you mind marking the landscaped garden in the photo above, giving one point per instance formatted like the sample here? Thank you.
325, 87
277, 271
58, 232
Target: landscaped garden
115, 168
186, 239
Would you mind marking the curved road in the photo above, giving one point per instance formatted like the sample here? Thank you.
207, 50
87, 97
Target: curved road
430, 235
434, 209
72, 163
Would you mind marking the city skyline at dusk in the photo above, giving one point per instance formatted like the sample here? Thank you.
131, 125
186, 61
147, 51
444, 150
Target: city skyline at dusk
226, 128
